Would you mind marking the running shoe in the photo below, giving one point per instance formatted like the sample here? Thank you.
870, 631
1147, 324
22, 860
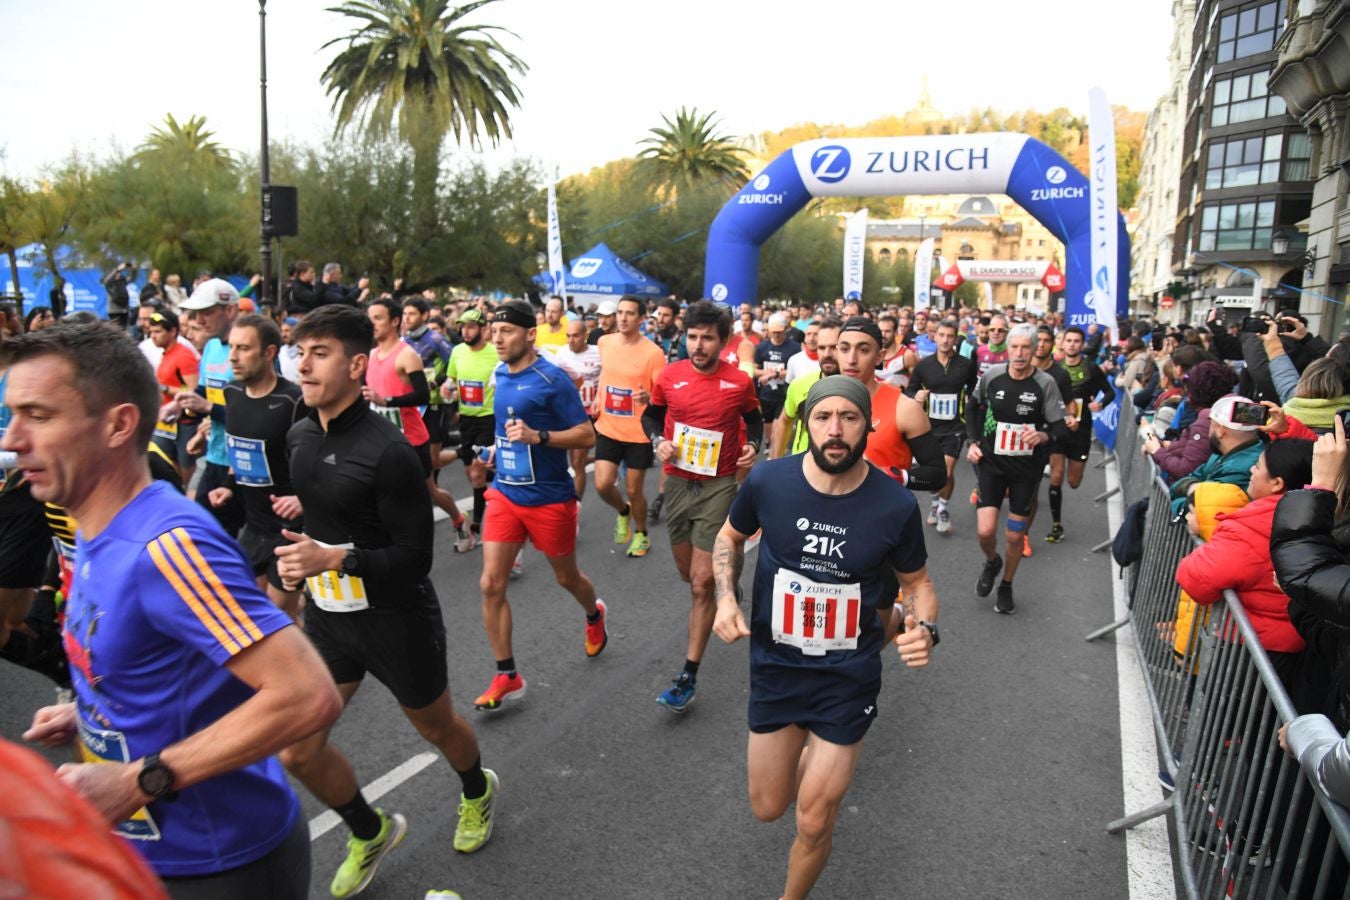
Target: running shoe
987, 575
640, 544
363, 857
503, 687
1004, 603
475, 817
679, 695
597, 635
944, 521
466, 539
1026, 545
1056, 534
933, 513
654, 511
622, 529
975, 497
518, 567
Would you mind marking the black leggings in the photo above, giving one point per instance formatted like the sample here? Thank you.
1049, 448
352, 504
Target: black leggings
282, 874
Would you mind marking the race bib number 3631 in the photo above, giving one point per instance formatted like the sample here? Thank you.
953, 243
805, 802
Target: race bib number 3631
815, 617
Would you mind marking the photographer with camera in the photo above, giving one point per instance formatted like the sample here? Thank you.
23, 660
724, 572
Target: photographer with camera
119, 298
1257, 349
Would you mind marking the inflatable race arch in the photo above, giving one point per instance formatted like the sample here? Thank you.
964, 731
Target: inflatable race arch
1028, 171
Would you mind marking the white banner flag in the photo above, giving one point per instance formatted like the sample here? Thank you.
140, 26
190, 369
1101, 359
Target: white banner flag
1103, 208
855, 252
555, 258
923, 274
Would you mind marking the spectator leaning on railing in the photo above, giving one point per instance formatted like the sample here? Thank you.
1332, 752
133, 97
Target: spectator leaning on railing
1204, 385
1236, 449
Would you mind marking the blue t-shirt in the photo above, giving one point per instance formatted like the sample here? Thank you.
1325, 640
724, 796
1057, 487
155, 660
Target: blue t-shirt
215, 374
159, 602
547, 400
818, 579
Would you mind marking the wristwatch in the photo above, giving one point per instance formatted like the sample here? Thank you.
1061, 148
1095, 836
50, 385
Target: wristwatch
349, 562
932, 630
543, 437
156, 779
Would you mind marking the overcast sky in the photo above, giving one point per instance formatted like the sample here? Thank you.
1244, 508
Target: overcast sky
93, 74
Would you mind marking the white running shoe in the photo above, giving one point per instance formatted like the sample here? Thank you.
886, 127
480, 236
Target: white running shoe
518, 567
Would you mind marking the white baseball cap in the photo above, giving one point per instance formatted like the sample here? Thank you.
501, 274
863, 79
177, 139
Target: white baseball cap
212, 292
607, 308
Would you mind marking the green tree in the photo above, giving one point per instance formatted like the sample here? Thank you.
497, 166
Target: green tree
14, 226
413, 68
688, 151
60, 198
189, 145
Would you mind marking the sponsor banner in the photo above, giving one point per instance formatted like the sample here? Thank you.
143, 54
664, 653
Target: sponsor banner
1002, 269
927, 164
1103, 208
1105, 424
555, 255
923, 273
731, 271
855, 253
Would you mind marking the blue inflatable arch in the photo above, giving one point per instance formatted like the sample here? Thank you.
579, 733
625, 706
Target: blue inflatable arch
1028, 171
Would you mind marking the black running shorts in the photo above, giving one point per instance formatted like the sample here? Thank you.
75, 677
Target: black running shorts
635, 456
833, 708
951, 443
475, 431
260, 548
994, 486
1077, 446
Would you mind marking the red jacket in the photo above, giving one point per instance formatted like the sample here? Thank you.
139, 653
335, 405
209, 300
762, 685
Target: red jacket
1237, 556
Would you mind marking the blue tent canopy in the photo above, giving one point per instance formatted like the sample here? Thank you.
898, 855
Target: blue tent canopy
601, 271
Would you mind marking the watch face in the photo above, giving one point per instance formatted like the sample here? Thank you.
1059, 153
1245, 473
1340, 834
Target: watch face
156, 780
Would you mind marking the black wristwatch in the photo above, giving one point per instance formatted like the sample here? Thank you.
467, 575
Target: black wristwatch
156, 779
349, 562
543, 437
932, 630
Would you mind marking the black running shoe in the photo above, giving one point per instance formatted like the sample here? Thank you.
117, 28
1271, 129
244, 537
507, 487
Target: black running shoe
654, 511
1004, 604
1056, 534
987, 576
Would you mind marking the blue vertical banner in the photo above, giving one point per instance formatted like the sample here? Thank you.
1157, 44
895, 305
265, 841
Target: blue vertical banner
556, 270
1103, 209
1105, 423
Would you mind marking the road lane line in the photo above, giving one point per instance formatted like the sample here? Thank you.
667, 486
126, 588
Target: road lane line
327, 821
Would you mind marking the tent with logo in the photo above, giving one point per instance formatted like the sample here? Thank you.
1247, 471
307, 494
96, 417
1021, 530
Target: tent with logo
601, 274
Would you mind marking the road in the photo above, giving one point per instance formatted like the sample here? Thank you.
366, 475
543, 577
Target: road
989, 774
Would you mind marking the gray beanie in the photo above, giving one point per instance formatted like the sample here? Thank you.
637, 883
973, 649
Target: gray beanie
850, 389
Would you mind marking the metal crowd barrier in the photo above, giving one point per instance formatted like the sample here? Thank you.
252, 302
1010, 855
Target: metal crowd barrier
1248, 821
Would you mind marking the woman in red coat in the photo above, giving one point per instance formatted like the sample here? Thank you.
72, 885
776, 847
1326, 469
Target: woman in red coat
1237, 557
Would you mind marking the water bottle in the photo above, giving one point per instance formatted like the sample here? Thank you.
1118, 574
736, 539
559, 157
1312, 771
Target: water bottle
483, 453
8, 459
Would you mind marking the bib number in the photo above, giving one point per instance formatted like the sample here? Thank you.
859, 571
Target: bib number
618, 401
248, 459
942, 406
697, 450
337, 592
215, 392
813, 617
1076, 408
100, 747
166, 430
1010, 439
471, 394
515, 463
390, 413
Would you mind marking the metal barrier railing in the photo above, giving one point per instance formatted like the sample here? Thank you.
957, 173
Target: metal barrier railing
1249, 822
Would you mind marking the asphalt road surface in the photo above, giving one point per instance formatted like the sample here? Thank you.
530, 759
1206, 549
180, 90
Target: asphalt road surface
990, 774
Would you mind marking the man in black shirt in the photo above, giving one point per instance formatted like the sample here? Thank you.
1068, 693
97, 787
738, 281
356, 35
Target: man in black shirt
1089, 391
942, 382
365, 556
260, 409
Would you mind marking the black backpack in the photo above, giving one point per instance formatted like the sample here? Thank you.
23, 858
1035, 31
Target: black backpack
1127, 547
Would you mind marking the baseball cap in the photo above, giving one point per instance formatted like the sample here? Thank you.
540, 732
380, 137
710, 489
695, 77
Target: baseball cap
209, 293
607, 308
470, 315
1222, 412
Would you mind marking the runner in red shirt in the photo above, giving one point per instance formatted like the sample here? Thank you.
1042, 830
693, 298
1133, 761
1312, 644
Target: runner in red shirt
177, 372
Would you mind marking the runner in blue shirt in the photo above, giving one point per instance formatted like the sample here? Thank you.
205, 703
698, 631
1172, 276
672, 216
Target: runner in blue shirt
187, 679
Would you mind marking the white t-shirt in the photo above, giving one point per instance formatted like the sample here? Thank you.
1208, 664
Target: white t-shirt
584, 365
800, 364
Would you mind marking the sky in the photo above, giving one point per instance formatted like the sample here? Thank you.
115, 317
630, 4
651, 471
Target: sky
91, 75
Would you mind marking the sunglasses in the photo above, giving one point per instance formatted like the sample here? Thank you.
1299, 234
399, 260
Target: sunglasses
999, 330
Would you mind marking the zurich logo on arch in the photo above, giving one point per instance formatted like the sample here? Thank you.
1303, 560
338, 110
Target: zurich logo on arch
719, 293
761, 183
831, 164
585, 267
1056, 174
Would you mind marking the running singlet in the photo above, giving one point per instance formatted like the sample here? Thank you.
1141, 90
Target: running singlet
472, 371
584, 366
255, 435
382, 378
544, 398
704, 415
215, 374
161, 600
818, 579
625, 370
886, 446
1001, 408
948, 387
986, 357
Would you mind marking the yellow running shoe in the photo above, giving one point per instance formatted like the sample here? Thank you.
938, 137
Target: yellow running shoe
363, 857
475, 817
639, 545
622, 531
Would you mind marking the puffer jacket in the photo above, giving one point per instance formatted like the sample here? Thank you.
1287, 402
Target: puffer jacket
1237, 557
1210, 499
1309, 551
1184, 455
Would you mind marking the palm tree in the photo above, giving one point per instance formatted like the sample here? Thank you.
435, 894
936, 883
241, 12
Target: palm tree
412, 68
688, 151
190, 142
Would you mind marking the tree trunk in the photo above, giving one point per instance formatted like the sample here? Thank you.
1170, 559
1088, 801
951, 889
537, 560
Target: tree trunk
426, 140
59, 286
14, 276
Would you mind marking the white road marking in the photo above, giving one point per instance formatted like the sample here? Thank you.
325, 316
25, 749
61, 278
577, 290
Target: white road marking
1148, 849
328, 820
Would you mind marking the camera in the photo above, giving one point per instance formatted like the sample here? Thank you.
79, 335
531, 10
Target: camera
1255, 324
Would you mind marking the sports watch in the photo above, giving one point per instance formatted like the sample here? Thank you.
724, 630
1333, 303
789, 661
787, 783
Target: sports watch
349, 562
156, 779
932, 630
543, 437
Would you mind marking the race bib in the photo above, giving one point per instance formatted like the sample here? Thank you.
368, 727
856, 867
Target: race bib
215, 391
618, 401
471, 394
588, 390
814, 617
337, 592
166, 430
248, 459
391, 413
515, 464
778, 369
99, 746
943, 406
697, 449
1011, 440
1075, 408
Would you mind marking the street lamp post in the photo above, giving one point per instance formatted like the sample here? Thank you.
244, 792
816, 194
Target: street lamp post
265, 225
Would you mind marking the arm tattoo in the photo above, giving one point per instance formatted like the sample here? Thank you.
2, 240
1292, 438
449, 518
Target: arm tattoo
728, 560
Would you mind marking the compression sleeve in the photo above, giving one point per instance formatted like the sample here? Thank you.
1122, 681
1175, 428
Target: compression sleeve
654, 421
399, 488
754, 427
928, 472
975, 413
420, 395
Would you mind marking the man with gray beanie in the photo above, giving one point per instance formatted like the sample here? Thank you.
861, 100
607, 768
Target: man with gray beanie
832, 525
